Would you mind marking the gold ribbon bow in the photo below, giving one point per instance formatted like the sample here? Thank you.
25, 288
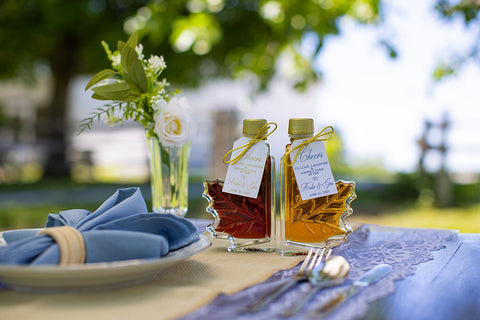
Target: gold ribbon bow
261, 135
325, 134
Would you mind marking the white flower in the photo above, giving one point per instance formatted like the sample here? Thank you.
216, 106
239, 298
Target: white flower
173, 123
139, 51
157, 63
116, 59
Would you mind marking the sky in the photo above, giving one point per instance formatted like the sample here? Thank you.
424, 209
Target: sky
379, 104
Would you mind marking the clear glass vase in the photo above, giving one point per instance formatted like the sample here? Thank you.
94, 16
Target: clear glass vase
168, 176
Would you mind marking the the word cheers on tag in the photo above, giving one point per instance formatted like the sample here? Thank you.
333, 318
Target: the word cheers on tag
312, 170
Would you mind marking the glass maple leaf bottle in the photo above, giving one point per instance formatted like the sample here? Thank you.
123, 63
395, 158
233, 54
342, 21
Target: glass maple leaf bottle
247, 222
317, 221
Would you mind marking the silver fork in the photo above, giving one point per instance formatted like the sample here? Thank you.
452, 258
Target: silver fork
333, 273
313, 259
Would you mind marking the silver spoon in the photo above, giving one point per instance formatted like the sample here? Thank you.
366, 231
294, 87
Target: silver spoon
313, 259
331, 273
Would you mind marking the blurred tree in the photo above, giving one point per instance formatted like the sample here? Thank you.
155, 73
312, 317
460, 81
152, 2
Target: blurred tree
200, 39
63, 36
469, 12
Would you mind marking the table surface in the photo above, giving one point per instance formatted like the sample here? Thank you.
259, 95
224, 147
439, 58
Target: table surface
446, 287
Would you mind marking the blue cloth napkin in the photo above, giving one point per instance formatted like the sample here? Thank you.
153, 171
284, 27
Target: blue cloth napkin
120, 229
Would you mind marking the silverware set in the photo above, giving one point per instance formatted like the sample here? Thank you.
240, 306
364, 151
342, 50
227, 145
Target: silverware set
321, 270
334, 271
314, 259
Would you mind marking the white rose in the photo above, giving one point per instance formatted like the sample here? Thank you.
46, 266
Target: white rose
173, 123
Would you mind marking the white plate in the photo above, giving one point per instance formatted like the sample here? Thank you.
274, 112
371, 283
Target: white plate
94, 276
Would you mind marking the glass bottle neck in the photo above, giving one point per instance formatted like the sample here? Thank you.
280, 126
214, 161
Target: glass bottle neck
294, 137
249, 136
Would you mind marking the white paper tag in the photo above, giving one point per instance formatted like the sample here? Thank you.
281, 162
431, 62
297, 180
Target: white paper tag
245, 176
312, 170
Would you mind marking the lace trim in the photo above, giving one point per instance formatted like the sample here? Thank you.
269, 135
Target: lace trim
368, 246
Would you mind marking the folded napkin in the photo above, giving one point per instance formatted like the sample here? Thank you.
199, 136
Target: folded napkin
120, 229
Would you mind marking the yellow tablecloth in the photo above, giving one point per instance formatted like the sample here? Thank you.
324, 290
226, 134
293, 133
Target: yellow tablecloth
178, 290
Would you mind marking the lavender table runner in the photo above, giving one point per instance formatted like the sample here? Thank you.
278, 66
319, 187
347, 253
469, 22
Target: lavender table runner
368, 246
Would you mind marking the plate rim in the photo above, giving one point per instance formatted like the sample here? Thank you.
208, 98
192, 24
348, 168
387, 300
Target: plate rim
74, 273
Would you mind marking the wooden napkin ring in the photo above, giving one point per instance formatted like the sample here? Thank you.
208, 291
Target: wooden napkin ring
70, 242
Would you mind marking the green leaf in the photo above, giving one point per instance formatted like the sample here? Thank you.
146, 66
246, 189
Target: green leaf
134, 90
98, 97
138, 74
113, 91
133, 71
133, 95
131, 98
106, 48
102, 75
120, 45
133, 40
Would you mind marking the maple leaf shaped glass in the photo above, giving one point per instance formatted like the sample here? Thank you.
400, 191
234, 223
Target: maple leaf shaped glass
317, 222
247, 223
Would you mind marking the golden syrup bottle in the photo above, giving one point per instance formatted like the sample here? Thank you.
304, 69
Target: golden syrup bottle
314, 222
247, 223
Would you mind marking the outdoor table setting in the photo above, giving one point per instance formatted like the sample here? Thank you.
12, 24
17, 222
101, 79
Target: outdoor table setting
433, 275
251, 260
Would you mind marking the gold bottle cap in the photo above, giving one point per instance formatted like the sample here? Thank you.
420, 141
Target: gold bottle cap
300, 126
252, 126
